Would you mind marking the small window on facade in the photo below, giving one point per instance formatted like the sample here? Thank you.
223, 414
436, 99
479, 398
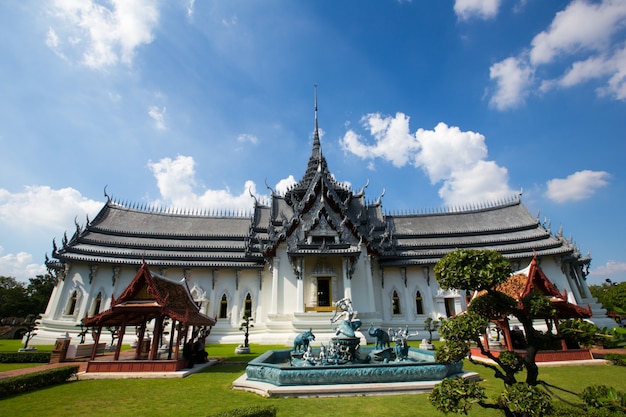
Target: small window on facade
419, 306
247, 306
395, 303
72, 306
224, 307
450, 310
96, 304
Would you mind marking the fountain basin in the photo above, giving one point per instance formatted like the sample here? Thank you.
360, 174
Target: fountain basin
273, 367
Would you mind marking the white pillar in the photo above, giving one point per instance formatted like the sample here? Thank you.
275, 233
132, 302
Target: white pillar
369, 282
273, 308
347, 283
300, 284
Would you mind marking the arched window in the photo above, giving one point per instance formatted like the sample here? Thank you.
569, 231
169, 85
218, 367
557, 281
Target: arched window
224, 307
419, 306
71, 308
395, 303
97, 302
247, 306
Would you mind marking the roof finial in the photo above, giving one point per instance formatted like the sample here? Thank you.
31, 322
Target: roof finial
315, 103
316, 134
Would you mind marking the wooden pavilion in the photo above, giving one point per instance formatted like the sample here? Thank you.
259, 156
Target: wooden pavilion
149, 297
530, 280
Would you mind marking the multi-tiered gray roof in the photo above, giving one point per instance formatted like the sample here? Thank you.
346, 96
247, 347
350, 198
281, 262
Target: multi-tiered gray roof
317, 206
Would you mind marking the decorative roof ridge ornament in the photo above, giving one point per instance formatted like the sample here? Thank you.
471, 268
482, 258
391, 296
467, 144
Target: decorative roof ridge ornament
316, 135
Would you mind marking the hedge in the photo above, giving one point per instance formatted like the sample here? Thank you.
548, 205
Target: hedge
616, 359
253, 411
30, 382
24, 357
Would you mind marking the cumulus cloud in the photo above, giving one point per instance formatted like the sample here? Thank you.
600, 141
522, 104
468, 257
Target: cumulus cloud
581, 27
20, 266
448, 155
584, 39
578, 186
176, 180
35, 215
613, 270
481, 9
513, 78
102, 34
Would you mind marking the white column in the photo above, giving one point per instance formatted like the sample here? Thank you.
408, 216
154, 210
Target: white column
347, 283
273, 308
369, 282
300, 283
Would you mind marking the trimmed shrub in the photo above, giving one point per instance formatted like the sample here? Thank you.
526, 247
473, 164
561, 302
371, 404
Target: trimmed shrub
563, 410
253, 411
30, 382
24, 357
616, 359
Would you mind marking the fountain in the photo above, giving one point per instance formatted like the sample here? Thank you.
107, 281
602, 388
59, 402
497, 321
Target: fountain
344, 367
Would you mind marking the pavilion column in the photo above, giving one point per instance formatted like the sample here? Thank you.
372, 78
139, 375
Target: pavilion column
142, 332
169, 351
120, 339
96, 339
156, 338
507, 336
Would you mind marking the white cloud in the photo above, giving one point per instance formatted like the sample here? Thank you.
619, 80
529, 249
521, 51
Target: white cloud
191, 8
102, 34
578, 186
283, 185
158, 115
394, 142
177, 184
581, 26
613, 270
36, 215
513, 79
247, 137
446, 154
20, 266
482, 9
582, 38
43, 208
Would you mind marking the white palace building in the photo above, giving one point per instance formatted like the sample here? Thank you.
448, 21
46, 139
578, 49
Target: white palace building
286, 263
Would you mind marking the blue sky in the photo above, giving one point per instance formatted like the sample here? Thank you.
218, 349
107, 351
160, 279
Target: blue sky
193, 103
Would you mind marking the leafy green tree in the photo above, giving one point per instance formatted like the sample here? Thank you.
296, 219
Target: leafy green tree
611, 295
20, 300
39, 291
484, 270
13, 298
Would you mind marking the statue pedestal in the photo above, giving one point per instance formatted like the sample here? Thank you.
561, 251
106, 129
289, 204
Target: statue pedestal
347, 347
426, 346
242, 349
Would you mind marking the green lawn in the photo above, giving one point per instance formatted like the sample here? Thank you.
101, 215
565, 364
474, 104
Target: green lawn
209, 391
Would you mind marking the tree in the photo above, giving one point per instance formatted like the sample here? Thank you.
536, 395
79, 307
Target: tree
20, 300
38, 291
611, 295
13, 299
484, 270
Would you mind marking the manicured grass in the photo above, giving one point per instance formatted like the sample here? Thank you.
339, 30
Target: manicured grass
210, 391
12, 345
4, 367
